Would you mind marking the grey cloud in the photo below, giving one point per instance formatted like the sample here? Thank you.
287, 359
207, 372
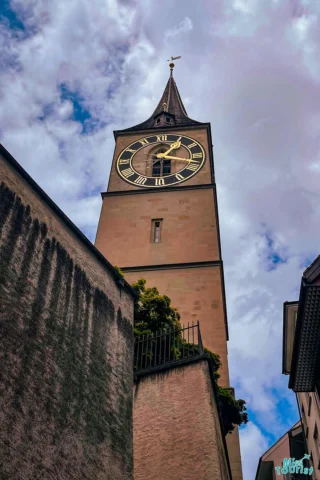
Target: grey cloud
248, 73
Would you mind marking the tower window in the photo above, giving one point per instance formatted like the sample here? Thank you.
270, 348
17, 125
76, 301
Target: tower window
162, 167
156, 169
168, 120
166, 167
158, 120
156, 230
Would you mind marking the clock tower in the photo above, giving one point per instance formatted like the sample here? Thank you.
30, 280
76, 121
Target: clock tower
159, 221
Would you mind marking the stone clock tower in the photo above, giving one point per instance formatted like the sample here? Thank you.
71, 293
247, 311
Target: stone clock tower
159, 221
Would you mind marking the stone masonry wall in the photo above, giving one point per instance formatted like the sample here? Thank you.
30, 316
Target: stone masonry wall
66, 342
177, 433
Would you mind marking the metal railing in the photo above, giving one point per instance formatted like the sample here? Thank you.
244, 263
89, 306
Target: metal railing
167, 347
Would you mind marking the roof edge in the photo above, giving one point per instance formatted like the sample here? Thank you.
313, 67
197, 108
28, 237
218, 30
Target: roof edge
313, 271
129, 131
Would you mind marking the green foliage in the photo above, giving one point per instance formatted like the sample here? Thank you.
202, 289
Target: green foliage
233, 411
119, 271
153, 312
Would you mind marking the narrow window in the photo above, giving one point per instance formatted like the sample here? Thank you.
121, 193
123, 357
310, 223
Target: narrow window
156, 230
157, 165
166, 167
168, 120
304, 421
156, 169
316, 438
158, 120
161, 167
309, 405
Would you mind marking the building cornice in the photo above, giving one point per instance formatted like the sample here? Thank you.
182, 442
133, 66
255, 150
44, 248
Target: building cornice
140, 191
171, 266
124, 133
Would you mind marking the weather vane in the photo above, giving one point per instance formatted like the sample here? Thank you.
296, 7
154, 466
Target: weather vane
171, 64
174, 58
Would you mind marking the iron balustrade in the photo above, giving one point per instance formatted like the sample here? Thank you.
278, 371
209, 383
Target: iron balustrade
167, 347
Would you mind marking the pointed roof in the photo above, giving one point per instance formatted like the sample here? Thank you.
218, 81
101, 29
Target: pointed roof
171, 105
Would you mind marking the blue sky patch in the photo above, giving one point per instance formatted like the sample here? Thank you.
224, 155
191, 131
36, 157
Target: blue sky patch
10, 17
284, 411
80, 114
273, 257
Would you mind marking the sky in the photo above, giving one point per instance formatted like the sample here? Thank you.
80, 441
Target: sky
72, 72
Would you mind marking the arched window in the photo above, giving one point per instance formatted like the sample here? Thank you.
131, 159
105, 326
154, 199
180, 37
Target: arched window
162, 167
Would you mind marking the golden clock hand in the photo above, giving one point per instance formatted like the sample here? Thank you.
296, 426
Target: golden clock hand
174, 146
169, 157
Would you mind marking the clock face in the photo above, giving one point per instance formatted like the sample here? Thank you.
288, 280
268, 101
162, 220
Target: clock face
160, 160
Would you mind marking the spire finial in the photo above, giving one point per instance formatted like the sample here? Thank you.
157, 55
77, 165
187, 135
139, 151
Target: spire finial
171, 64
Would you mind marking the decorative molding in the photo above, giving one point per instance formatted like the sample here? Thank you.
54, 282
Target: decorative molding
121, 133
170, 266
157, 190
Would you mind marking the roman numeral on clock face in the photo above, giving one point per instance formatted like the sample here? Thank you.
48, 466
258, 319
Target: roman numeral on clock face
122, 161
159, 181
192, 145
193, 166
197, 155
130, 150
127, 173
179, 177
143, 141
140, 180
161, 138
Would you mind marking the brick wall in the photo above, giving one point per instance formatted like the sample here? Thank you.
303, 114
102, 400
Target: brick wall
177, 433
65, 349
188, 233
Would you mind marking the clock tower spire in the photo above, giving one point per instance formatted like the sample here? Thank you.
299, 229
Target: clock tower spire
170, 111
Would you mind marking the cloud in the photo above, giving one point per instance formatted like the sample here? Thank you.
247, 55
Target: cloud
184, 27
71, 74
253, 444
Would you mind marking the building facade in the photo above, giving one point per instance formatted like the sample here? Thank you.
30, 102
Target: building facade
159, 221
290, 445
301, 358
